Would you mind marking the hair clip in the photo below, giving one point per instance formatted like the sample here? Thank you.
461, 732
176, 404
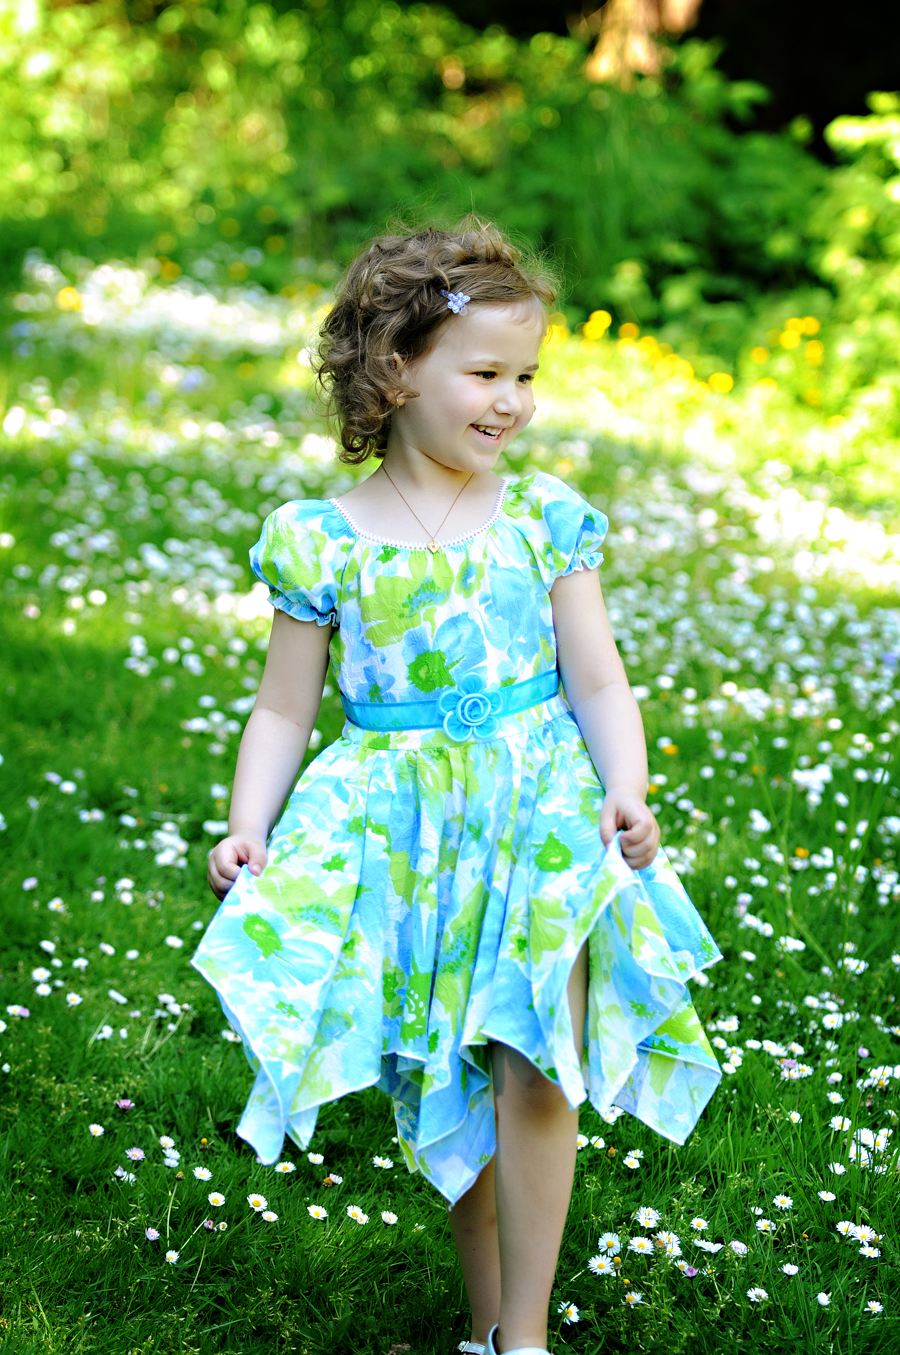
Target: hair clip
456, 301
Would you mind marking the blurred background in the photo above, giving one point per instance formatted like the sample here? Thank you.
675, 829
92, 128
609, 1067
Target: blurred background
693, 164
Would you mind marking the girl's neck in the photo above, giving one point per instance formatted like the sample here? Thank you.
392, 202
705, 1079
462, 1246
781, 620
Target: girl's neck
421, 473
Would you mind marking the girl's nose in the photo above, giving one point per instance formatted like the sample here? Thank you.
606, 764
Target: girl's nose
509, 401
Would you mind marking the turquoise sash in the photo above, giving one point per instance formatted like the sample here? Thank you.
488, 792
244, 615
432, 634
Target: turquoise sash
468, 711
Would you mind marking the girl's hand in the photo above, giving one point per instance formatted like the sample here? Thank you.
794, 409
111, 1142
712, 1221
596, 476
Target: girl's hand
641, 840
227, 857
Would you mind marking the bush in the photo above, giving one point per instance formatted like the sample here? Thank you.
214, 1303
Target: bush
303, 132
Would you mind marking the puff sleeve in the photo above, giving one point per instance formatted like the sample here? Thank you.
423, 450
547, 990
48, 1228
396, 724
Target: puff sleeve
565, 532
300, 559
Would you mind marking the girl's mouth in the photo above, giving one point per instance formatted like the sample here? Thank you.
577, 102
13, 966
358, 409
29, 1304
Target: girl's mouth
493, 434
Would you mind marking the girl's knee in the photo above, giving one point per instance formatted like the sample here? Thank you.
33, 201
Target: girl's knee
519, 1084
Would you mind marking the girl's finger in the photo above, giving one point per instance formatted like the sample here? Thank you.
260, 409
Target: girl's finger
608, 823
256, 857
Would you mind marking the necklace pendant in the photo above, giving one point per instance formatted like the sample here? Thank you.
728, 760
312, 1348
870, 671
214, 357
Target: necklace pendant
433, 547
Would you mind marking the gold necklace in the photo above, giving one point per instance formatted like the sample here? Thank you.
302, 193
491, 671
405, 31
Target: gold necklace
431, 545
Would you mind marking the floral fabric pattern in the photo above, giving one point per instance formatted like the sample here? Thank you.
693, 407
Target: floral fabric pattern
428, 891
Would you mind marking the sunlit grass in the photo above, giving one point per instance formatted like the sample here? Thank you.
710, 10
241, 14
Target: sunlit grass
762, 639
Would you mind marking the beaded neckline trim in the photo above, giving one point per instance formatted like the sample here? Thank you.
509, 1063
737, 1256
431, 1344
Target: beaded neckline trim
415, 545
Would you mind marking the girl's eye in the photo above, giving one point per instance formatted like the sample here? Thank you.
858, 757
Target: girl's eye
490, 374
527, 376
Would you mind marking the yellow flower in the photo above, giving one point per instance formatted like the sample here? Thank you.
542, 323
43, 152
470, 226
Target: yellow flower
597, 325
721, 382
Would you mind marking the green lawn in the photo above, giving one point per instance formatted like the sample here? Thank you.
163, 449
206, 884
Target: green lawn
147, 434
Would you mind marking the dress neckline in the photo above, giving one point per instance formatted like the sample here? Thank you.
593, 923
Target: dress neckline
505, 482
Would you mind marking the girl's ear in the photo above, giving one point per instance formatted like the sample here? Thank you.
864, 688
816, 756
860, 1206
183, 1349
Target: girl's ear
398, 397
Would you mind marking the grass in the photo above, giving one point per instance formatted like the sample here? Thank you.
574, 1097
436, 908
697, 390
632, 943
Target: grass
762, 638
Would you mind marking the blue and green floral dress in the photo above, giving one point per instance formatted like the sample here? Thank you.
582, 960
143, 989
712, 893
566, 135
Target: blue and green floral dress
428, 890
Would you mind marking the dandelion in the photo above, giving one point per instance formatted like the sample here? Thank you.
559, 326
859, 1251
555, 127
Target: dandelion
568, 1312
384, 1162
285, 1167
96, 1130
171, 1257
873, 1306
316, 1159
270, 1216
316, 1211
790, 1269
647, 1218
203, 1173
152, 1234
783, 1201
699, 1224
642, 1245
823, 1298
257, 1202
216, 1198
756, 1295
601, 1265
609, 1242
635, 1297
356, 1214
136, 1154
388, 1217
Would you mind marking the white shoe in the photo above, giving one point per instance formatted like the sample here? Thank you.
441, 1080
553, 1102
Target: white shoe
519, 1350
471, 1348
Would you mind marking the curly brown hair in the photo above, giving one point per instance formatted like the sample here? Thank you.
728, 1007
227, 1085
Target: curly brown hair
390, 307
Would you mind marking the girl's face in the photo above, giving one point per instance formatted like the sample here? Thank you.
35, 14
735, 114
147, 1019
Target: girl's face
474, 387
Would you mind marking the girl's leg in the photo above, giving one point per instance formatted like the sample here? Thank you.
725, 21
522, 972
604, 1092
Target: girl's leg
473, 1222
535, 1167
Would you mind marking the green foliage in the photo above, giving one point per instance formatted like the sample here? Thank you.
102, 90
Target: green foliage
307, 130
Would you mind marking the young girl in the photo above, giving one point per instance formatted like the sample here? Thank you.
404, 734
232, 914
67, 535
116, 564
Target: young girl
462, 902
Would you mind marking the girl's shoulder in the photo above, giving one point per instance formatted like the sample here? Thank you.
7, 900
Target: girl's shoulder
563, 528
305, 517
301, 552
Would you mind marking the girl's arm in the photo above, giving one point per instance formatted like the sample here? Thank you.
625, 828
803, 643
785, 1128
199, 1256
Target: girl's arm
607, 714
273, 745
